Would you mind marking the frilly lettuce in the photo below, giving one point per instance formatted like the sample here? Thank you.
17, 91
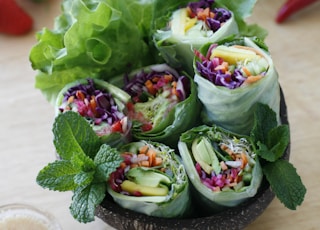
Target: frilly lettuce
177, 201
217, 200
90, 38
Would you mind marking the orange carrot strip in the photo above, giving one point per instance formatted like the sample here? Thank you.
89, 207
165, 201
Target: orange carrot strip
157, 161
252, 79
145, 163
143, 149
246, 71
80, 95
151, 156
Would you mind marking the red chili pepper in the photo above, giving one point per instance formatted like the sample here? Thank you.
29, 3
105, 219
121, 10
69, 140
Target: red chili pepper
291, 7
13, 19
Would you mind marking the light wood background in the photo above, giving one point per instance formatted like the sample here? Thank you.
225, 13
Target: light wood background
26, 117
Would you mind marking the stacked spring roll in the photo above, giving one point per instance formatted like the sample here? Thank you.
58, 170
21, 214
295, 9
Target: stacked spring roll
102, 105
222, 166
191, 27
163, 104
151, 180
231, 77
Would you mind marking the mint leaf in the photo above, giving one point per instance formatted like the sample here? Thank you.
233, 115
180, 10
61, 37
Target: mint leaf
85, 201
84, 178
278, 140
83, 162
285, 183
264, 152
107, 161
58, 176
73, 134
264, 120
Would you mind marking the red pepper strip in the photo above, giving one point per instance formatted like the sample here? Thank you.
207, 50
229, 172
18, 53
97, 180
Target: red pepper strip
291, 7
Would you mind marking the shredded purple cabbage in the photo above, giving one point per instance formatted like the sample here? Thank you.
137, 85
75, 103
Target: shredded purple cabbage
221, 15
106, 109
136, 85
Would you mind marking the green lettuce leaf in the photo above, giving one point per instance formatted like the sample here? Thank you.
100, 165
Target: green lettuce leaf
89, 38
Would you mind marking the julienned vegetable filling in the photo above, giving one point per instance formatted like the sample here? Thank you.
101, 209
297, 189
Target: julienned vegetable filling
154, 94
199, 16
97, 106
231, 66
224, 166
143, 173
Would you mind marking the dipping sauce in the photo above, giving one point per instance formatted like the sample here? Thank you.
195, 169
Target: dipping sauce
26, 217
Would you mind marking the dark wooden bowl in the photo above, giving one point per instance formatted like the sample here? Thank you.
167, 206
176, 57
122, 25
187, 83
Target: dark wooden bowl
233, 218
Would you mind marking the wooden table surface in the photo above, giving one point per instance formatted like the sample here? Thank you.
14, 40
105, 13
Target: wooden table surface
26, 117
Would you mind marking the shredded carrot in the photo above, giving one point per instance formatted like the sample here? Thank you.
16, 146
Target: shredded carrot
70, 99
167, 78
144, 163
123, 165
252, 79
203, 14
244, 160
157, 161
246, 71
150, 88
143, 149
151, 156
93, 104
80, 95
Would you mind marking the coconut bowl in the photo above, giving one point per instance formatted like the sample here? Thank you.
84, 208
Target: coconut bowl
232, 218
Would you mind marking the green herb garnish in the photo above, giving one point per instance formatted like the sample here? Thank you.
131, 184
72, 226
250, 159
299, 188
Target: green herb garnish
84, 167
272, 140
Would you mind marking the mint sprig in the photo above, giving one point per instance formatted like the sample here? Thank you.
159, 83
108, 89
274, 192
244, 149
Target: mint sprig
84, 167
271, 142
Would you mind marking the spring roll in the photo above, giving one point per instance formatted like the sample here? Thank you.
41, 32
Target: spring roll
163, 103
151, 180
191, 27
222, 166
231, 77
102, 105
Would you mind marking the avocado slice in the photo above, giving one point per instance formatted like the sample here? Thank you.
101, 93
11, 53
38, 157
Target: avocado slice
132, 187
147, 177
204, 154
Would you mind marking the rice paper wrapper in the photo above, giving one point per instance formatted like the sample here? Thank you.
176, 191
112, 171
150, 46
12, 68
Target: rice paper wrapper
178, 50
183, 116
176, 203
232, 108
113, 138
206, 199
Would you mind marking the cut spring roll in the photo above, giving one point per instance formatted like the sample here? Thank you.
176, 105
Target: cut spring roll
231, 77
151, 180
191, 27
163, 103
222, 166
101, 104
